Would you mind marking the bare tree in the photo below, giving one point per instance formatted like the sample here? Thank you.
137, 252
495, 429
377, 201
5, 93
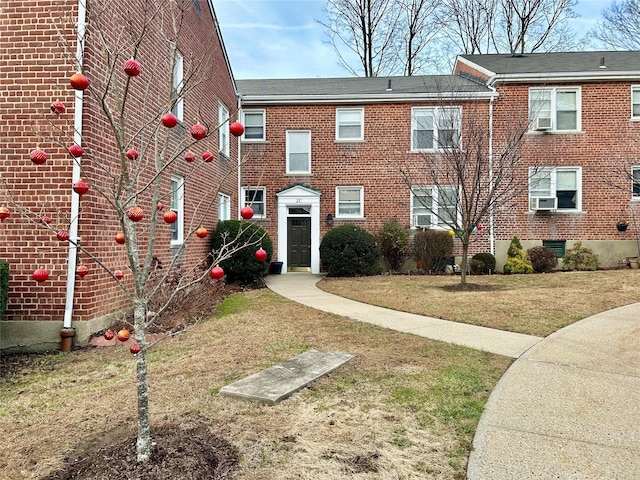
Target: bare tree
418, 27
619, 28
367, 28
470, 24
466, 171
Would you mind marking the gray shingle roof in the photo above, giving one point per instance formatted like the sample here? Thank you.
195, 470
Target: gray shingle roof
559, 62
358, 87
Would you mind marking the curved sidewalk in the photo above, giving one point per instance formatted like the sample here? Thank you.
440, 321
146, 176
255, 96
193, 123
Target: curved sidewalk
568, 407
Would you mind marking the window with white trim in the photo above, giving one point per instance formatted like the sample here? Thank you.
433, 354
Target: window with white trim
177, 205
635, 102
434, 206
555, 188
349, 124
635, 182
254, 125
349, 202
223, 130
254, 197
299, 151
224, 207
555, 108
177, 82
435, 128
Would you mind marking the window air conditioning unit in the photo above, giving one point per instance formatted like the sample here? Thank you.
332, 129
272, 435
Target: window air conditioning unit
544, 204
543, 123
422, 221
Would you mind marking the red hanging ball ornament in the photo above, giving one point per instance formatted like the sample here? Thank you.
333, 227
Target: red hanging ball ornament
132, 68
170, 216
4, 213
236, 129
58, 107
80, 187
118, 274
120, 238
40, 275
134, 348
198, 131
109, 335
75, 150
216, 273
190, 156
261, 255
135, 214
46, 219
201, 232
79, 81
38, 156
246, 213
82, 270
132, 154
207, 156
169, 120
62, 235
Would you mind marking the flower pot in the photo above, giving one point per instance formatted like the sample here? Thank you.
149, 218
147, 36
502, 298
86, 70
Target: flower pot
276, 268
634, 264
621, 227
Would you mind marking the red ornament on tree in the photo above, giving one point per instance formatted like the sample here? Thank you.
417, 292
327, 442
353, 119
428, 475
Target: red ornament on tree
38, 156
123, 335
120, 238
80, 187
216, 273
159, 207
246, 213
4, 213
201, 232
132, 68
79, 81
170, 216
236, 129
62, 235
134, 348
82, 270
132, 154
169, 120
40, 275
189, 156
207, 156
75, 150
58, 107
198, 131
261, 255
109, 335
135, 214
118, 274
46, 219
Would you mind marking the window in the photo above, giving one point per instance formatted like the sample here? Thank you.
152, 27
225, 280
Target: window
254, 197
299, 151
555, 109
635, 182
558, 246
349, 202
254, 125
224, 207
177, 84
349, 124
555, 188
635, 102
223, 130
435, 128
434, 206
177, 205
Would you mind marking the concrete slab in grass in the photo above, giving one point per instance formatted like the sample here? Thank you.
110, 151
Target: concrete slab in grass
276, 383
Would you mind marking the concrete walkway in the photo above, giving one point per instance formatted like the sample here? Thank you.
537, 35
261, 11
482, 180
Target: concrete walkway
568, 407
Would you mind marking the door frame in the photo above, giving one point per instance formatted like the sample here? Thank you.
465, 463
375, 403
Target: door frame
299, 196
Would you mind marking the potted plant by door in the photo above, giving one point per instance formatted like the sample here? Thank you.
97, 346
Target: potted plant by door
622, 225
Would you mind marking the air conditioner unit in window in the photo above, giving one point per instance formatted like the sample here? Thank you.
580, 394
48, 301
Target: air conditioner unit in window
543, 123
422, 221
544, 204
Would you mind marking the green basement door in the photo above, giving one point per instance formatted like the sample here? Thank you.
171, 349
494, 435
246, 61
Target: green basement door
299, 249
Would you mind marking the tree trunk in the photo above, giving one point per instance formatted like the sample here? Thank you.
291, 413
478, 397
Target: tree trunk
463, 263
143, 444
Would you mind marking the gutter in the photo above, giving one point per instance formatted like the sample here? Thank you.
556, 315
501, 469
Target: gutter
563, 77
67, 331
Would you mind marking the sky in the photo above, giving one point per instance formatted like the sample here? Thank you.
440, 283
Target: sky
283, 39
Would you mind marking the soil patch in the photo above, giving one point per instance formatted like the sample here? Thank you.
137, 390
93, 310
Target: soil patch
177, 452
472, 287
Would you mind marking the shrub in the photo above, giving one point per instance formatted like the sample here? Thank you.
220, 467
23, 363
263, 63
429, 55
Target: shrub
517, 259
4, 285
393, 240
433, 249
483, 263
580, 258
543, 259
349, 251
242, 266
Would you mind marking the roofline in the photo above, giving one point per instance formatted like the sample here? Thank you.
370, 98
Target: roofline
363, 98
562, 77
474, 65
222, 45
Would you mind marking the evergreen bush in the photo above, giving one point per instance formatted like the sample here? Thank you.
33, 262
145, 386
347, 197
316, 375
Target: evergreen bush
433, 248
349, 251
580, 258
393, 240
243, 267
4, 285
517, 259
543, 259
483, 263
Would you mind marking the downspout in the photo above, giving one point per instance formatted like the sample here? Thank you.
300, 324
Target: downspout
239, 159
492, 246
67, 332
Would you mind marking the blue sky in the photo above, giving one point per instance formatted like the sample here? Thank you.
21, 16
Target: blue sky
282, 39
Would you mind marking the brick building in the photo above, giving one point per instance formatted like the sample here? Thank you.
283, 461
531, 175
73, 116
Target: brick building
323, 152
184, 69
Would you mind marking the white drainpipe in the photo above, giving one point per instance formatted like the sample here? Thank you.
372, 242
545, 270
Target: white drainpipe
75, 175
492, 240
240, 202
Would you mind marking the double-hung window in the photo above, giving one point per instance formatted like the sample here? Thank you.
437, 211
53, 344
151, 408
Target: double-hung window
177, 82
254, 197
223, 130
224, 207
555, 109
435, 128
635, 102
349, 202
349, 124
299, 152
555, 188
635, 182
433, 206
177, 205
254, 125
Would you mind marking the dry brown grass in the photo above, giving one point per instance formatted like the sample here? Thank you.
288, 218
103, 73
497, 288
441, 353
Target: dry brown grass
532, 304
405, 408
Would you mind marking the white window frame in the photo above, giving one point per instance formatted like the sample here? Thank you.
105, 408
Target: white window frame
359, 202
223, 130
635, 182
421, 209
306, 150
438, 115
224, 207
247, 202
177, 205
341, 121
551, 192
635, 102
553, 107
248, 127
177, 80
